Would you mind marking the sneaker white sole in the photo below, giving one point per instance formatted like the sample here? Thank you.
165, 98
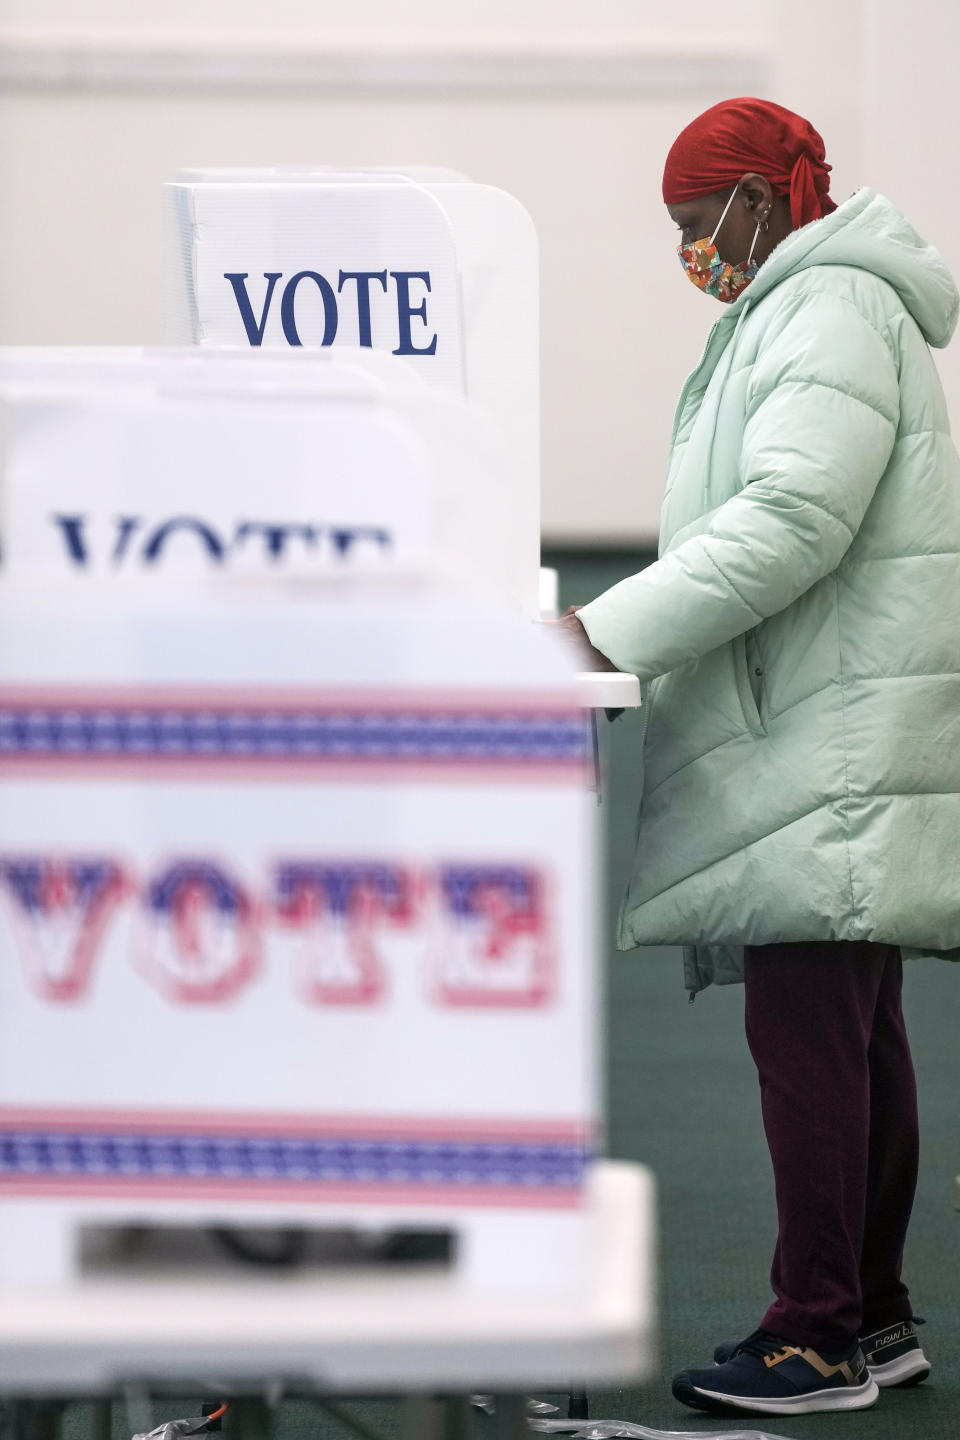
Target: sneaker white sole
914, 1365
859, 1397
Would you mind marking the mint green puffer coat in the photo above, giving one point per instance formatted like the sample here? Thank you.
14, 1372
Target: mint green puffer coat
801, 628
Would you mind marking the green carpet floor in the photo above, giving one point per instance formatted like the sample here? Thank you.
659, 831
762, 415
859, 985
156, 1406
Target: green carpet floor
682, 1098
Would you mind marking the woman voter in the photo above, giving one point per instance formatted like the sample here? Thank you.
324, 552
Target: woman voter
798, 641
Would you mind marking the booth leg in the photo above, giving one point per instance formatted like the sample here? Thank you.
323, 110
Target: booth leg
577, 1406
249, 1418
99, 1420
459, 1418
423, 1418
511, 1417
35, 1419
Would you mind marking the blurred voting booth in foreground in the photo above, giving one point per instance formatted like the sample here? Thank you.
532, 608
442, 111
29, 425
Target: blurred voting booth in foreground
297, 889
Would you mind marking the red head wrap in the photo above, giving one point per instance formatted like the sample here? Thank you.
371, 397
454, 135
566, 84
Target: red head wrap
738, 136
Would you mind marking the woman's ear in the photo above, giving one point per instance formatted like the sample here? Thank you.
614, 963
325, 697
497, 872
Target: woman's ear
757, 192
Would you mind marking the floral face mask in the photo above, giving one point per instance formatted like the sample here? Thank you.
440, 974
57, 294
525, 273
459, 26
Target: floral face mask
712, 275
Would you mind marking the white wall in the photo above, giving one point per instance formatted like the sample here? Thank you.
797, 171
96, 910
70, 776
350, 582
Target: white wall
383, 19
910, 145
569, 104
81, 260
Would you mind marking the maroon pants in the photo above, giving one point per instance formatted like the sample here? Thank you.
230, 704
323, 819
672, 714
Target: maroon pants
825, 1027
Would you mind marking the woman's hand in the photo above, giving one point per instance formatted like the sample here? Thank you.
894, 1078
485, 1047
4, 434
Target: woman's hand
573, 632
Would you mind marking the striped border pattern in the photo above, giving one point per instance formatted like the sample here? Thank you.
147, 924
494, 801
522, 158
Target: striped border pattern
341, 1161
317, 731
321, 1159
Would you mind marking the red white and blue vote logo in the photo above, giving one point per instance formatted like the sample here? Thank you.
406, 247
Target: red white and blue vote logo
342, 911
479, 933
493, 945
201, 940
59, 910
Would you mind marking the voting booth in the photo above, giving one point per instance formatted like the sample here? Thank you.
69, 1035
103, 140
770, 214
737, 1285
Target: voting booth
297, 857
422, 265
297, 891
188, 499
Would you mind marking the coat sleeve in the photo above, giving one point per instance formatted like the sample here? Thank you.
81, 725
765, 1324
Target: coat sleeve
822, 409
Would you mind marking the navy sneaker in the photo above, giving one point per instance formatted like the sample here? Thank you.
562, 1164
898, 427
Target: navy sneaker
894, 1355
766, 1375
726, 1350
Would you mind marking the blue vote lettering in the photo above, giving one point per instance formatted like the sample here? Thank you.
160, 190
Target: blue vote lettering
239, 283
71, 527
276, 535
287, 303
363, 278
154, 546
126, 527
407, 311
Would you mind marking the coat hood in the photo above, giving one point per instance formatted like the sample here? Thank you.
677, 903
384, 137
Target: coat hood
869, 233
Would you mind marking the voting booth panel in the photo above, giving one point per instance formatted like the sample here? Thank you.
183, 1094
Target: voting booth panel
435, 271
226, 874
195, 463
296, 878
327, 244
295, 488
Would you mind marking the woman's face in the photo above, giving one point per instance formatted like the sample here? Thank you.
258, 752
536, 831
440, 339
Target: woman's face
697, 219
